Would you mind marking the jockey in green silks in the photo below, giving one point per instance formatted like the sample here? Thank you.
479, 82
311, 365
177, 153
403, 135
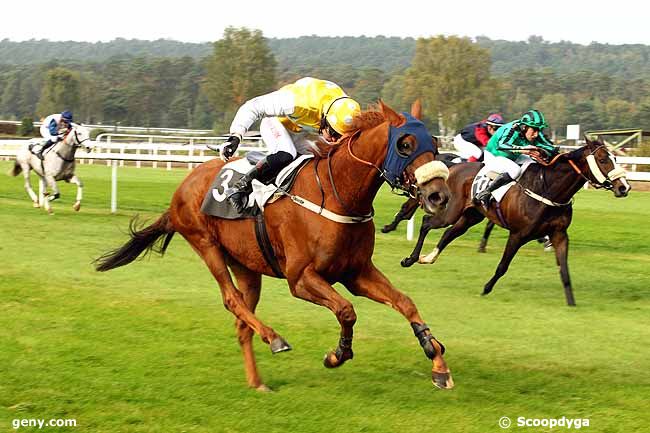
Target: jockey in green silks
505, 152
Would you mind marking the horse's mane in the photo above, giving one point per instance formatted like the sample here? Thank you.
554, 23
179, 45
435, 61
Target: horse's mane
375, 115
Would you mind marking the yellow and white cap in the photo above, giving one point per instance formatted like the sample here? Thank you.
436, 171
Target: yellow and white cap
341, 112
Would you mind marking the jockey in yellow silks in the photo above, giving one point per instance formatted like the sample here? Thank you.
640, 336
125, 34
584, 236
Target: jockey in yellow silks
294, 118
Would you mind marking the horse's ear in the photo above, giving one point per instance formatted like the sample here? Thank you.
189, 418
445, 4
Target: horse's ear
391, 115
416, 109
590, 139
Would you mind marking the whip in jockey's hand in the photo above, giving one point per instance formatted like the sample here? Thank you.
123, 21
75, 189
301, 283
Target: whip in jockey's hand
228, 148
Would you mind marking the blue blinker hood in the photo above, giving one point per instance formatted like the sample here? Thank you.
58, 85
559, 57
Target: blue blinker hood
395, 164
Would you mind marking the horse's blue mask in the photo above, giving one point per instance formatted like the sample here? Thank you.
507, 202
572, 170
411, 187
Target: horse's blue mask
395, 164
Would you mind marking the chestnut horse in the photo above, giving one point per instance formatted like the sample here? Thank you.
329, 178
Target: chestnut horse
539, 204
312, 252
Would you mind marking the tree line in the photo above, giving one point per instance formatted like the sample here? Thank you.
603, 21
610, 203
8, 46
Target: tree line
173, 84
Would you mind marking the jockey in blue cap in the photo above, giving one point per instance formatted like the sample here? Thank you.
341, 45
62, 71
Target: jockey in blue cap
53, 129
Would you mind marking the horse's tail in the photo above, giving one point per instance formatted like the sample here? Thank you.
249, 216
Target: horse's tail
16, 170
155, 237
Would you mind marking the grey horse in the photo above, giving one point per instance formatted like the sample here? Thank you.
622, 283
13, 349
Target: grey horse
57, 164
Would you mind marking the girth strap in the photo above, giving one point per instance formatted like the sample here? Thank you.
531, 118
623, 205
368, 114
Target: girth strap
265, 245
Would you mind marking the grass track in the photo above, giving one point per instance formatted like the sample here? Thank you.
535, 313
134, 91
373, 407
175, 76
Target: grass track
150, 348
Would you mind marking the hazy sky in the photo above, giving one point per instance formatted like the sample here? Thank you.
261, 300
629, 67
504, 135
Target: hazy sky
614, 22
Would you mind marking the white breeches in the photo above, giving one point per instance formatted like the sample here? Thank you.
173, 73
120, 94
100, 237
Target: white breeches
278, 138
501, 164
465, 148
45, 132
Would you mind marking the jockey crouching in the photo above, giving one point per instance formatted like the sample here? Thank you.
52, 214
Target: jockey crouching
474, 137
293, 119
504, 149
53, 129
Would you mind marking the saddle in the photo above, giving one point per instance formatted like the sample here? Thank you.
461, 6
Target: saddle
35, 146
485, 177
215, 203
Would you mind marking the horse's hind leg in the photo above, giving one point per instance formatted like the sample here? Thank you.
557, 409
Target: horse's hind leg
467, 220
249, 284
232, 298
560, 242
486, 235
311, 287
515, 241
372, 284
77, 204
28, 187
405, 213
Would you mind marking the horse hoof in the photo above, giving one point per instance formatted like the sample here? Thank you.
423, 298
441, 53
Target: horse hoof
442, 380
76, 206
36, 205
407, 262
332, 361
486, 292
387, 229
481, 249
279, 345
263, 388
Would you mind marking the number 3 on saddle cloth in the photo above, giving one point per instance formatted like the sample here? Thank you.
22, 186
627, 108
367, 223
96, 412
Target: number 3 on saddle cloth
215, 202
485, 177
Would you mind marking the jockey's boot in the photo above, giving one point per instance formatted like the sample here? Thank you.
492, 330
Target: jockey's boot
265, 170
42, 149
483, 197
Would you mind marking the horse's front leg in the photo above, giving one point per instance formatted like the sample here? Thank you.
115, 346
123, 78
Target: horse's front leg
54, 188
42, 195
560, 241
425, 228
460, 227
515, 241
77, 204
372, 284
311, 287
405, 213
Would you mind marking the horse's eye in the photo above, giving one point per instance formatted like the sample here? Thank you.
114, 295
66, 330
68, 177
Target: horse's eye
404, 147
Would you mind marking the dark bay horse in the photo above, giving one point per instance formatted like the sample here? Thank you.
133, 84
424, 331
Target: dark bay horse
538, 205
313, 252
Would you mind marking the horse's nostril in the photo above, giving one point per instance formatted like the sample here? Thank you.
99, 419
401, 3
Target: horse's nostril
438, 199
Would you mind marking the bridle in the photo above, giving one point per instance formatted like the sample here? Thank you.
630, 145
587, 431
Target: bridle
76, 144
601, 180
406, 188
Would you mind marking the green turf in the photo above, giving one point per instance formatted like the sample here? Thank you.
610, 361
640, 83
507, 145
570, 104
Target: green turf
150, 348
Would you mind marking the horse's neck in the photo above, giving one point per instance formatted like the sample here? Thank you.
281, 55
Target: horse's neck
66, 146
558, 182
356, 183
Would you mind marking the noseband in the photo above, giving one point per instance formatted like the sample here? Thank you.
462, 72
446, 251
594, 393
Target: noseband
602, 180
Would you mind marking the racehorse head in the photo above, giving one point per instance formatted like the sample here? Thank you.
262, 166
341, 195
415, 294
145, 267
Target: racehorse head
408, 160
603, 171
78, 136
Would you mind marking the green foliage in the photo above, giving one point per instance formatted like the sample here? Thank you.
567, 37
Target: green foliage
60, 92
26, 127
451, 74
168, 83
242, 67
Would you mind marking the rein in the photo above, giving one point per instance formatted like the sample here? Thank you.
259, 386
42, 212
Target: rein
331, 176
74, 146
